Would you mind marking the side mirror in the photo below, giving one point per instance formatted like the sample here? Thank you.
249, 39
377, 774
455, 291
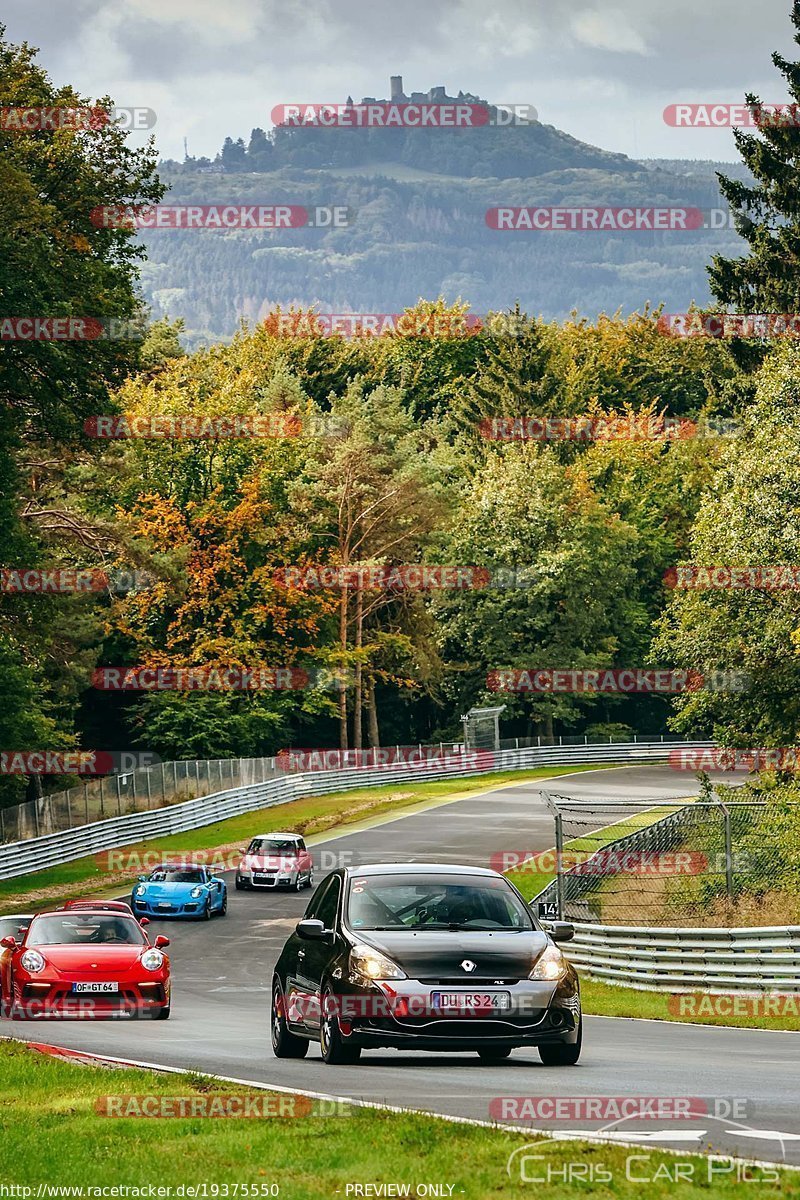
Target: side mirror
142, 878
311, 930
161, 941
560, 931
144, 921
10, 942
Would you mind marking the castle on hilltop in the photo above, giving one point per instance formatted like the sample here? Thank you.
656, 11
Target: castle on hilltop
436, 95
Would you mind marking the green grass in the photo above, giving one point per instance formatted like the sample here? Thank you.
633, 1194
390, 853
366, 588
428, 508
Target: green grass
310, 815
530, 880
53, 1135
613, 1000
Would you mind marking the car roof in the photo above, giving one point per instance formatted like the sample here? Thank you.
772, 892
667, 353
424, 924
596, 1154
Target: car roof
180, 866
276, 834
109, 905
17, 916
87, 911
417, 868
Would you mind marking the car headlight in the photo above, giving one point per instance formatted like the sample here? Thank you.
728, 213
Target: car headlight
550, 964
32, 961
373, 965
197, 891
152, 959
140, 890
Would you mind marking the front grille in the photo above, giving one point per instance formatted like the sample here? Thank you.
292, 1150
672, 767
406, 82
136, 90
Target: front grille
469, 981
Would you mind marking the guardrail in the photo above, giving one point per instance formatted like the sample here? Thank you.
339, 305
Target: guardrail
765, 959
33, 854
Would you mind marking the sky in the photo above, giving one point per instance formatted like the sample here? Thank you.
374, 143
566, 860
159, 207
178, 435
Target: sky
603, 72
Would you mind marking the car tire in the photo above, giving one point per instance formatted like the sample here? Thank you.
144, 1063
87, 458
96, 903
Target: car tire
223, 908
161, 1014
310, 880
493, 1054
336, 1050
562, 1054
239, 885
207, 914
298, 883
285, 1044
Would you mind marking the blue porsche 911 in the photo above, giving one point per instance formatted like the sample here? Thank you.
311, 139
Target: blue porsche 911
180, 891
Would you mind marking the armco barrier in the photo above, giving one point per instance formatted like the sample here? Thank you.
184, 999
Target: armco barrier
19, 858
690, 960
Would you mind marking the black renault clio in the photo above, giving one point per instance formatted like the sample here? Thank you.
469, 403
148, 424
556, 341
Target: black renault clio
424, 957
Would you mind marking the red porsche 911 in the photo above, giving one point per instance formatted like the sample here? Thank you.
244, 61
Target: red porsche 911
84, 963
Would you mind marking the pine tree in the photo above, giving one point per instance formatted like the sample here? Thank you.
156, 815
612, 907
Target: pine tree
766, 213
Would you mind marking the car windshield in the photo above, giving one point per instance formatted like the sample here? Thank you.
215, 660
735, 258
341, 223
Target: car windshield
177, 877
273, 846
10, 926
435, 902
76, 929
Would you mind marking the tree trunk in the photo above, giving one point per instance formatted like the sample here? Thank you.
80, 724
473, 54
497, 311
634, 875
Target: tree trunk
343, 745
357, 692
372, 713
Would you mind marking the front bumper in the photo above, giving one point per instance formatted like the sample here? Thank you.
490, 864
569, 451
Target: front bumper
37, 998
143, 906
400, 1015
266, 882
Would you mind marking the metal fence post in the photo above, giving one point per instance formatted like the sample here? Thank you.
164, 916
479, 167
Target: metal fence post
163, 785
147, 781
559, 831
119, 796
726, 816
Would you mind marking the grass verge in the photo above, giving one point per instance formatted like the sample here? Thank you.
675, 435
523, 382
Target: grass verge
699, 1008
53, 1135
311, 815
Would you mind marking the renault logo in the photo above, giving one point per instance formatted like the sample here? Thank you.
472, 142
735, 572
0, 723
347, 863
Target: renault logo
468, 964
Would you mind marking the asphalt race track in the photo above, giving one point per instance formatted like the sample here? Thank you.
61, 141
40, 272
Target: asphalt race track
222, 973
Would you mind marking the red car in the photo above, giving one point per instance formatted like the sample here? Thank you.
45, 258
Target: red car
85, 963
276, 860
100, 905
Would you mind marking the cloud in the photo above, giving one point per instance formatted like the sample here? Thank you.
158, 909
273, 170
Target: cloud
608, 30
213, 69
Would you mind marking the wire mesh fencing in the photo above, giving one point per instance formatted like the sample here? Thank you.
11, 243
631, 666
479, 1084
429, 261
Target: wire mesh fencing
140, 790
676, 863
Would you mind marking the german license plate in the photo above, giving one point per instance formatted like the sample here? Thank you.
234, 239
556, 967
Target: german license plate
262, 878
163, 904
471, 1001
95, 987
